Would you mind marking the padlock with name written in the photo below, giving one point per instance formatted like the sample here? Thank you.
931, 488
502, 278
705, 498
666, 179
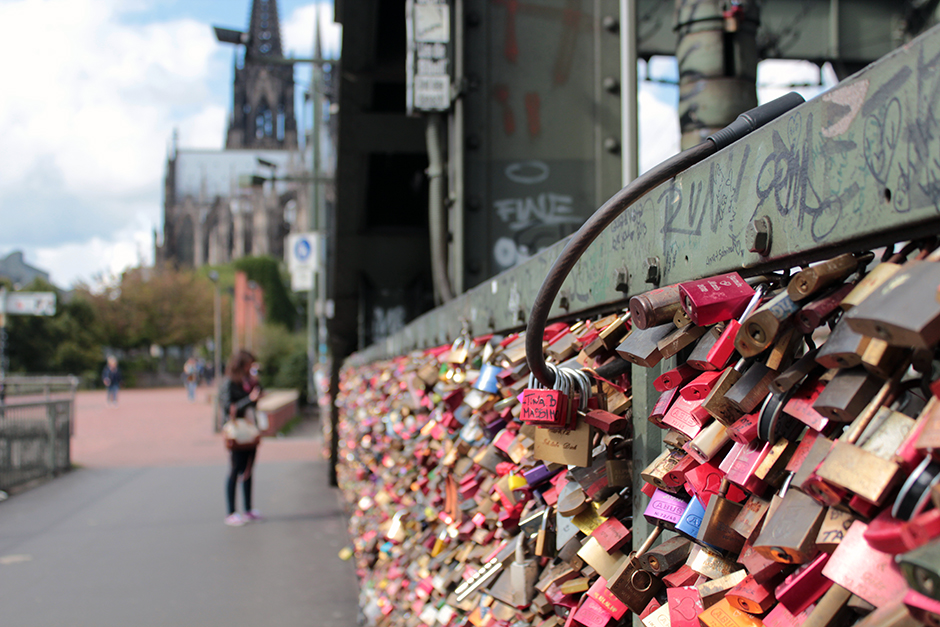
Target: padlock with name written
715, 299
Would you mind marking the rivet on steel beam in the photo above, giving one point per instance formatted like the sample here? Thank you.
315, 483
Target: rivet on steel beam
564, 302
653, 274
611, 24
520, 315
758, 236
611, 85
622, 283
612, 145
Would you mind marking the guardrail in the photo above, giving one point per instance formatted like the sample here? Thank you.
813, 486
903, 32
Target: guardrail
45, 386
34, 440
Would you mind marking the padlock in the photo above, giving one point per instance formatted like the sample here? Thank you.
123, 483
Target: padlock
619, 466
691, 520
612, 535
545, 540
789, 535
805, 585
815, 313
664, 510
857, 470
640, 347
708, 443
817, 277
679, 339
686, 416
710, 563
711, 592
751, 597
724, 347
872, 281
655, 307
699, 357
546, 408
923, 608
882, 359
667, 556
760, 329
835, 525
699, 387
914, 494
843, 348
675, 378
717, 403
750, 390
751, 516
920, 568
631, 584
805, 366
717, 529
662, 405
685, 605
843, 399
904, 310
864, 571
715, 299
655, 473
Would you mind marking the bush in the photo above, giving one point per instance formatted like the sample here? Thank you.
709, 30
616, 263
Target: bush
283, 359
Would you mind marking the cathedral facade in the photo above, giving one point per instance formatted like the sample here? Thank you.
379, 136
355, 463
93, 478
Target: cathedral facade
220, 205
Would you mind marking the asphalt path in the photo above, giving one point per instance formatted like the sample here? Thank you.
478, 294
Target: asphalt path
134, 536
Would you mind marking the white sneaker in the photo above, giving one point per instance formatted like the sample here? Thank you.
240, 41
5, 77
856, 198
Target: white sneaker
234, 520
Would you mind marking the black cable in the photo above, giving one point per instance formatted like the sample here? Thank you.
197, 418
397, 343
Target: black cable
636, 189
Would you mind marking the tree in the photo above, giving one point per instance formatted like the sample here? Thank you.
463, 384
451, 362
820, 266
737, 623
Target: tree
165, 307
66, 343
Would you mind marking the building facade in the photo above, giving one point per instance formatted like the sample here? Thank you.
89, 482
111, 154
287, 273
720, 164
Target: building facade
220, 205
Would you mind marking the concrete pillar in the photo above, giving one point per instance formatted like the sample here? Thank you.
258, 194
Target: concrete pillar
717, 55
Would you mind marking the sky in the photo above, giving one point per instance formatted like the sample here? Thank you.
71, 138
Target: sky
94, 89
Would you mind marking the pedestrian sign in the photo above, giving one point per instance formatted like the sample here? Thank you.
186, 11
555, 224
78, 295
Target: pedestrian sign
303, 259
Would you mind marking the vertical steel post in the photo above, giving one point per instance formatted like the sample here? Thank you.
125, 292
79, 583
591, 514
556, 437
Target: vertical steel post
629, 103
717, 55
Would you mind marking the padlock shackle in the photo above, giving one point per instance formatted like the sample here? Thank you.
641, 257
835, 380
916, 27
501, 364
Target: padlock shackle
618, 203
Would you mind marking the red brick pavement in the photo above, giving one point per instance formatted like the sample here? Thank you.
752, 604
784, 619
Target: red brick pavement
161, 428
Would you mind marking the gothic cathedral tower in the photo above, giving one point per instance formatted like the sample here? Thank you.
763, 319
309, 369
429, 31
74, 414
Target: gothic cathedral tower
263, 105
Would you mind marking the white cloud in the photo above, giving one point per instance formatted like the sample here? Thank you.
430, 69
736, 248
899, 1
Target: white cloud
90, 104
297, 31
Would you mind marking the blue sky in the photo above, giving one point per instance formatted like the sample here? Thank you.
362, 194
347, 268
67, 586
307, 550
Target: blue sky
89, 110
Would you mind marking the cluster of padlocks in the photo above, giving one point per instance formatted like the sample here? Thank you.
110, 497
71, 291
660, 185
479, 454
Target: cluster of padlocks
798, 482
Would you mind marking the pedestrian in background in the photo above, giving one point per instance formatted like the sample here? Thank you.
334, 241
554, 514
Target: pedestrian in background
111, 377
190, 378
243, 392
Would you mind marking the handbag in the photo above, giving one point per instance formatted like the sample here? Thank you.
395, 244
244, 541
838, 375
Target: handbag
241, 434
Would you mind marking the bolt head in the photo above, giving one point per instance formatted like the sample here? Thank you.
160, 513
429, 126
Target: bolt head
758, 236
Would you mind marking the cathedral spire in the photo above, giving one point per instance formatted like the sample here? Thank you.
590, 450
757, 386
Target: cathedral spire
264, 31
263, 98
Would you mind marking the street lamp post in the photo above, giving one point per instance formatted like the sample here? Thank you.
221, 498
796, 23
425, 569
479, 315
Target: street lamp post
217, 352
316, 297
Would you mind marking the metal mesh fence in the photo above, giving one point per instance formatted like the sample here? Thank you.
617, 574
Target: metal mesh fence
34, 441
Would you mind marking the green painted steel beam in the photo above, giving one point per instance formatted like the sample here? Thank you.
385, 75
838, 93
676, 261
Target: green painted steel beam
852, 169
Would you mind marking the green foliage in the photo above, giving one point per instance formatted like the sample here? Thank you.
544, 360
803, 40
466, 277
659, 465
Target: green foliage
265, 271
166, 307
66, 343
283, 359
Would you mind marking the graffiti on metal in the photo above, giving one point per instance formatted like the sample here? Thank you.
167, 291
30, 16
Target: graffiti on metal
854, 168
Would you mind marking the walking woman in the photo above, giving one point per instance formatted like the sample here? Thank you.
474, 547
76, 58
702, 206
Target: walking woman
241, 439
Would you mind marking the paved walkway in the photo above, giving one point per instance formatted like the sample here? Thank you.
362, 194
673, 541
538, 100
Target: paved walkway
134, 537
